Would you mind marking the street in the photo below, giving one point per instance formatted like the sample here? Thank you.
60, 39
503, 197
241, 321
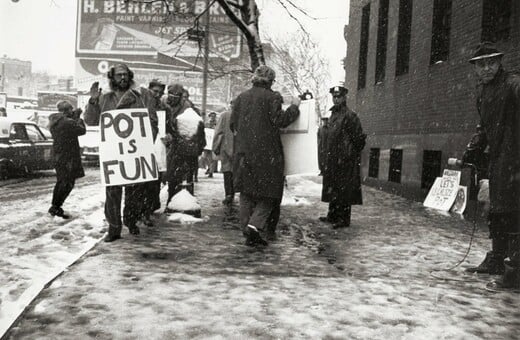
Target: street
178, 281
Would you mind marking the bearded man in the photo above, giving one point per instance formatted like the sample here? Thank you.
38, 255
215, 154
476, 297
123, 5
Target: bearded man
122, 95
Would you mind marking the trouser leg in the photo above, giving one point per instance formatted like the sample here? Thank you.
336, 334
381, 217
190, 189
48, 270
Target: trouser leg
247, 205
61, 191
133, 204
265, 208
113, 208
173, 188
228, 183
274, 217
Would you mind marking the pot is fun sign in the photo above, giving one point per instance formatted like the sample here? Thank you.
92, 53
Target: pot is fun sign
126, 150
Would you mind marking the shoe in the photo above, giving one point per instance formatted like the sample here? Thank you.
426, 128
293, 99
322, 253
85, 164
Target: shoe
493, 264
340, 224
210, 175
147, 221
134, 230
111, 238
56, 211
327, 219
253, 237
228, 200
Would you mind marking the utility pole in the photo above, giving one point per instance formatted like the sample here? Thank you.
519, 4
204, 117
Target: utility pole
206, 61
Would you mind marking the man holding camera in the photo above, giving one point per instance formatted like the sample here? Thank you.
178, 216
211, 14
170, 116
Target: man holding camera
498, 104
123, 95
65, 127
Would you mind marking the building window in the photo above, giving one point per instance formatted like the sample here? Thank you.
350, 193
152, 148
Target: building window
404, 34
396, 163
382, 34
431, 168
496, 20
373, 163
441, 31
363, 47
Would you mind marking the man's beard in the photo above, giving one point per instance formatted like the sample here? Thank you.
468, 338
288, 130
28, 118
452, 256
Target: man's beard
122, 85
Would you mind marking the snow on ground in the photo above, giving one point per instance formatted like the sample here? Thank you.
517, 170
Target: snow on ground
36, 246
199, 281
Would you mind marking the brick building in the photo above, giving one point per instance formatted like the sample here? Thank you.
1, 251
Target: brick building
409, 79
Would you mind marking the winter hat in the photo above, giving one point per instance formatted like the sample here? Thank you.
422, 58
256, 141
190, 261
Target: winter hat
263, 73
175, 89
156, 82
485, 50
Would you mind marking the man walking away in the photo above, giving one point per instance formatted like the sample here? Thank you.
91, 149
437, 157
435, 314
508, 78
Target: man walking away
65, 127
223, 140
256, 118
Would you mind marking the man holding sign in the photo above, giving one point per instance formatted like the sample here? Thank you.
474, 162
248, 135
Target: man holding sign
123, 133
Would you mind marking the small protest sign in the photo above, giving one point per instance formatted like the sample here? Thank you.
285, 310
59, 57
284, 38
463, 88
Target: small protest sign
300, 142
460, 201
159, 147
209, 138
444, 191
126, 149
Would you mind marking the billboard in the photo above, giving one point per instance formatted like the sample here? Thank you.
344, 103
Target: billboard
89, 70
47, 100
117, 27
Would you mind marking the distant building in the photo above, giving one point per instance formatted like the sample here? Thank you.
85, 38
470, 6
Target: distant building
14, 75
409, 79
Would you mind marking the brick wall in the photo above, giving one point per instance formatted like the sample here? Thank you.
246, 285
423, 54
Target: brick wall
432, 107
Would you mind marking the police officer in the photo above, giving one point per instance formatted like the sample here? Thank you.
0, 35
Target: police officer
498, 105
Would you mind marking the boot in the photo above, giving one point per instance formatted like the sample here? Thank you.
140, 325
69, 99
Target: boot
114, 233
134, 230
511, 277
493, 264
253, 237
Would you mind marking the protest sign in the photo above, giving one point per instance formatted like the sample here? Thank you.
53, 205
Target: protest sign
460, 201
126, 149
209, 138
300, 142
159, 147
444, 191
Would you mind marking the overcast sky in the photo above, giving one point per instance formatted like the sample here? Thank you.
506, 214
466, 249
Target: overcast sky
43, 31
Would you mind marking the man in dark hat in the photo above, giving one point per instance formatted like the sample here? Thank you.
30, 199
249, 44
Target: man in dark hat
341, 175
498, 105
322, 142
65, 126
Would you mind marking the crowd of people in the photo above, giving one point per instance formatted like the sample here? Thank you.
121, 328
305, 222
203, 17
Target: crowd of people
247, 141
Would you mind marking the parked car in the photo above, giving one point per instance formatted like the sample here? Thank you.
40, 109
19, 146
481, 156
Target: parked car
89, 144
23, 147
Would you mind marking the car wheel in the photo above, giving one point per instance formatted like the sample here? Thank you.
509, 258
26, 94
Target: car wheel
4, 170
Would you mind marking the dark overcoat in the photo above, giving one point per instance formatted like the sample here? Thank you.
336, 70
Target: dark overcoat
67, 154
345, 141
256, 118
182, 152
499, 107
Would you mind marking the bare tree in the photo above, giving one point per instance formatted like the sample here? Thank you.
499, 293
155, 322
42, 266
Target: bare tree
301, 66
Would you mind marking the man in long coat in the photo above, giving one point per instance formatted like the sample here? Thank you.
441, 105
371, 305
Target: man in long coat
341, 176
123, 95
65, 126
256, 118
223, 140
498, 104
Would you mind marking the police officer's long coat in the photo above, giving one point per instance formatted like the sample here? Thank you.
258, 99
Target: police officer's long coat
499, 107
345, 140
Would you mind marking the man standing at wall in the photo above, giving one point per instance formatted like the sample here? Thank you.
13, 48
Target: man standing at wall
342, 174
256, 118
498, 104
65, 126
123, 95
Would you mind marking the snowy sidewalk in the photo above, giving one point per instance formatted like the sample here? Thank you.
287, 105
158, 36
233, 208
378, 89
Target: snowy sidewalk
200, 281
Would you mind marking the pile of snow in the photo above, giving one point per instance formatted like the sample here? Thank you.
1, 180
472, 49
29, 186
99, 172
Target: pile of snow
184, 202
183, 218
